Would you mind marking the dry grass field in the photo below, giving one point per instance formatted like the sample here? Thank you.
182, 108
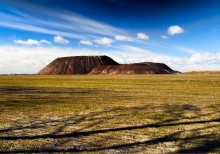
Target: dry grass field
110, 114
204, 72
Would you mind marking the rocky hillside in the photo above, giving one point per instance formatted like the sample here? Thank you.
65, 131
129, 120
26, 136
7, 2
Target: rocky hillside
76, 65
136, 68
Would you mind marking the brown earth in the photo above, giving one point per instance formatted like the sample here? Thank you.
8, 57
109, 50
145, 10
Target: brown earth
76, 65
136, 68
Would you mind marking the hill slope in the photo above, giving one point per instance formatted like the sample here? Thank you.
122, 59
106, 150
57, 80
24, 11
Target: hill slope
136, 68
76, 65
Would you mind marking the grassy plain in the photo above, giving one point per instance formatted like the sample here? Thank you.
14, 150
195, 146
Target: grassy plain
110, 114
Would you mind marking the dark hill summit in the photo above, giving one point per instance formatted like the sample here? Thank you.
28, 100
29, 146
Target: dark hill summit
76, 65
136, 68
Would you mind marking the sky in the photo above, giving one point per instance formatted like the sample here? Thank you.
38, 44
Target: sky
184, 34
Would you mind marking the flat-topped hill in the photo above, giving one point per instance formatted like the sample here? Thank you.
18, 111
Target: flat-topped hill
101, 65
136, 68
76, 65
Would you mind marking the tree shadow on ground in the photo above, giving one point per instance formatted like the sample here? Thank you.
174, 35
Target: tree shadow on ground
14, 96
192, 130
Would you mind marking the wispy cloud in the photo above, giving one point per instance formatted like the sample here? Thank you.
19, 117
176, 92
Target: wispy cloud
85, 42
57, 22
28, 17
32, 42
164, 37
186, 49
45, 41
37, 29
123, 38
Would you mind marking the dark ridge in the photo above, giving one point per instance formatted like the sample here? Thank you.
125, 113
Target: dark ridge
136, 68
76, 65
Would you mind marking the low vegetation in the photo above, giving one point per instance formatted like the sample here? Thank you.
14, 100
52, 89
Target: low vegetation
110, 114
205, 72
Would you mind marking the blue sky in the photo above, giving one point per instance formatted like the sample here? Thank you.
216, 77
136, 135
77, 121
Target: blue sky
183, 34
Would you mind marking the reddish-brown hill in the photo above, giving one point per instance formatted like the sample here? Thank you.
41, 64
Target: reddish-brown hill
76, 65
136, 68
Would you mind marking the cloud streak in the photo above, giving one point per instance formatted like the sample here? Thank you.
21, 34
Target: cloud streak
164, 37
85, 42
185, 49
123, 38
57, 22
32, 42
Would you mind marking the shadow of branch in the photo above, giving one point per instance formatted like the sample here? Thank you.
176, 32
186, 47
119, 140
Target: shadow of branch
171, 116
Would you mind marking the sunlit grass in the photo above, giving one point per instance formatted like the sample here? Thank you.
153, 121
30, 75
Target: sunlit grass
106, 113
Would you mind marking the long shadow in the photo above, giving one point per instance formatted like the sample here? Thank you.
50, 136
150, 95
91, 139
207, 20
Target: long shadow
209, 146
19, 96
87, 133
43, 90
176, 113
71, 120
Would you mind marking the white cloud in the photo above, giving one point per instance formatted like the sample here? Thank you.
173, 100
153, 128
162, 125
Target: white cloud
27, 42
142, 36
61, 40
85, 42
122, 38
197, 60
31, 42
104, 41
164, 37
45, 41
200, 61
204, 58
174, 30
31, 59
19, 59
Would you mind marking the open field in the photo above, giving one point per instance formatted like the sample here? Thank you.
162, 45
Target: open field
204, 72
110, 114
